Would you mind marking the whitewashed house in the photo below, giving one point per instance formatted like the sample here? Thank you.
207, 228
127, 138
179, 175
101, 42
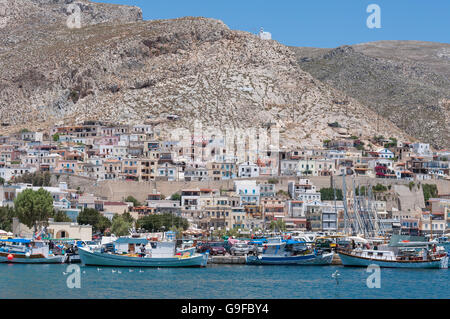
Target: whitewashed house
248, 170
385, 153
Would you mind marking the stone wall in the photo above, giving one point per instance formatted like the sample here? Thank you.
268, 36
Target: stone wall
118, 190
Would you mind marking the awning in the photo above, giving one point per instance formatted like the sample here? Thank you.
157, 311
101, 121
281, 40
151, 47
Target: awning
16, 240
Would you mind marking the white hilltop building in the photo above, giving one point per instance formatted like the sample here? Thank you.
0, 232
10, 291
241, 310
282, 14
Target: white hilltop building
264, 35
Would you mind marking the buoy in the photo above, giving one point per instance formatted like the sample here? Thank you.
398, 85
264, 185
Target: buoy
28, 254
10, 257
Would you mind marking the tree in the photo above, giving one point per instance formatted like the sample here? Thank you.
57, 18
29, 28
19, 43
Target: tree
103, 224
283, 193
36, 179
93, 217
131, 199
178, 231
379, 188
393, 143
120, 225
6, 216
360, 191
34, 207
61, 217
429, 191
88, 216
272, 181
162, 222
2, 181
55, 137
128, 218
328, 194
334, 124
175, 196
278, 225
233, 232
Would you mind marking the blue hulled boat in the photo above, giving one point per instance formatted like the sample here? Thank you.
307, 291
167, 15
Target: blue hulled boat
139, 252
27, 251
289, 252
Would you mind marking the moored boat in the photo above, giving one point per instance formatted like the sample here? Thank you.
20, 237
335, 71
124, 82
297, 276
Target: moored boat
290, 252
26, 251
142, 253
405, 255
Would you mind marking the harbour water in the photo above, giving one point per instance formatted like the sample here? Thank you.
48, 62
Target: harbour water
220, 281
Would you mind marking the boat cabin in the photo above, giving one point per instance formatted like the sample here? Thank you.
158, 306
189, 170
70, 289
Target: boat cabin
126, 245
375, 254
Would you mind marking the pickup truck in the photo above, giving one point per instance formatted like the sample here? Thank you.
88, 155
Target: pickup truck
244, 249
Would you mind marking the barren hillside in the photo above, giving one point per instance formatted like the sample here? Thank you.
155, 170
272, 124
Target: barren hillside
407, 82
119, 68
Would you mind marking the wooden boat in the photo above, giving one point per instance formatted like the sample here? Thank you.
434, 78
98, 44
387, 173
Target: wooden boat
290, 252
409, 255
26, 251
162, 254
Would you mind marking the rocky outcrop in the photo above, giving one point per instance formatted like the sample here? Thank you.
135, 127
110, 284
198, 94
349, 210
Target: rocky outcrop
194, 68
403, 81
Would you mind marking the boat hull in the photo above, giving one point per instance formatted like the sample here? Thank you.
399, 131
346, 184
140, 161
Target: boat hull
33, 259
89, 258
355, 261
72, 259
446, 246
324, 259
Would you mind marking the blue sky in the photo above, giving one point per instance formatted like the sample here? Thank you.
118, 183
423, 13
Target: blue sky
315, 23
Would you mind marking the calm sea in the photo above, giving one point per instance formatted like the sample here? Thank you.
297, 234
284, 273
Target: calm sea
220, 281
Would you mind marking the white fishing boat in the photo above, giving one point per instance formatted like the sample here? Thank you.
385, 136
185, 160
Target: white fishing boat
443, 241
139, 252
26, 251
404, 255
290, 252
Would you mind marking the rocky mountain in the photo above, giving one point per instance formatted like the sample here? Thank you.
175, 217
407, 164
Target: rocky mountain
120, 68
407, 82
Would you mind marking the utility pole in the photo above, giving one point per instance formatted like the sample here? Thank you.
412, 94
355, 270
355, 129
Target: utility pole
335, 205
344, 194
431, 227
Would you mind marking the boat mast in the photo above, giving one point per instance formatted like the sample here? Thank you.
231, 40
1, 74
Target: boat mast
431, 226
344, 194
358, 211
334, 192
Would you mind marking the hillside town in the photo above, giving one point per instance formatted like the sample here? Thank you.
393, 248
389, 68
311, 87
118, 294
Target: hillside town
272, 188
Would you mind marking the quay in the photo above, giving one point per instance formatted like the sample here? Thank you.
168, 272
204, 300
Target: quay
234, 260
226, 260
336, 260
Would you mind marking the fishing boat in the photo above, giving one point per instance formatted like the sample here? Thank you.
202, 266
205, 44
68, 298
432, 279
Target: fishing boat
26, 251
290, 252
443, 241
139, 252
402, 255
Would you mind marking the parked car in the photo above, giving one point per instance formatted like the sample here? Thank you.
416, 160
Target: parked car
218, 250
244, 249
215, 248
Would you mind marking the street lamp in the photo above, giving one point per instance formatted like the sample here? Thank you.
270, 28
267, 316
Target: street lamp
211, 231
